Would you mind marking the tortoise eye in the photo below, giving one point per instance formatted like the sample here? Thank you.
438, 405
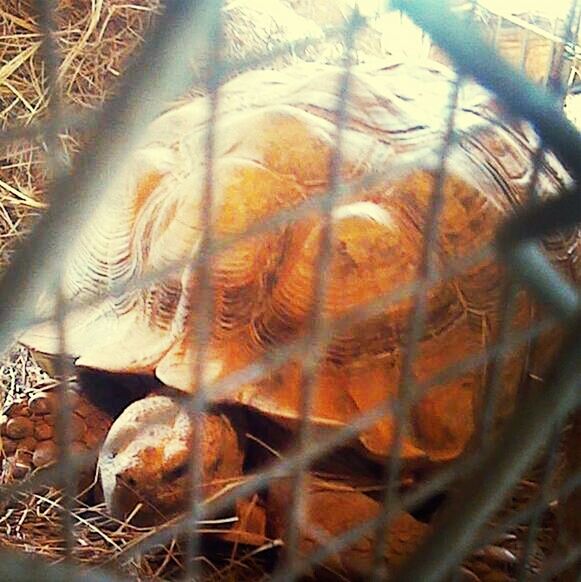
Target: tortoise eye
176, 473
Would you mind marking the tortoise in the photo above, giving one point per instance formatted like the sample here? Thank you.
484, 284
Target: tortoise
275, 146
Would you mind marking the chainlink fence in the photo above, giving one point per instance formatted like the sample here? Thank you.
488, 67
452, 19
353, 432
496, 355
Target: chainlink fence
482, 478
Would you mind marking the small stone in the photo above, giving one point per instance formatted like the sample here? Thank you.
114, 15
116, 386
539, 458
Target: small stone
8, 446
78, 448
83, 410
94, 421
45, 453
19, 427
43, 431
19, 471
93, 439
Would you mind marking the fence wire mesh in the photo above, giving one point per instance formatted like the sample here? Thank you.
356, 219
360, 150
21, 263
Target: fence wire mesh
544, 421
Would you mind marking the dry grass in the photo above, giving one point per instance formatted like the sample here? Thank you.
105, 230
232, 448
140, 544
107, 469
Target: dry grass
95, 39
31, 523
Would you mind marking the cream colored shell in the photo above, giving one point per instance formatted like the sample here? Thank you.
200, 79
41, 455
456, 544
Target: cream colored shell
275, 141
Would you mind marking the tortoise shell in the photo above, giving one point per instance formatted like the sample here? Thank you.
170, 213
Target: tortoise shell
275, 142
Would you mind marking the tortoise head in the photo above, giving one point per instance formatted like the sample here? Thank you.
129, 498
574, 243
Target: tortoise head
144, 462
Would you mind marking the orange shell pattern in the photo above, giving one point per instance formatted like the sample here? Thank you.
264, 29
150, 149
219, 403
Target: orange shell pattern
275, 140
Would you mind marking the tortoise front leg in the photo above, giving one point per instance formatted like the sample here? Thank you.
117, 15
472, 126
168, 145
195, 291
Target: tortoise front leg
332, 509
29, 433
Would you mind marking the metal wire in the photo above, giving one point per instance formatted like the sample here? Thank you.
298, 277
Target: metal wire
407, 502
16, 567
571, 28
394, 170
558, 566
508, 305
75, 119
405, 396
69, 119
313, 345
524, 515
501, 467
57, 164
554, 42
552, 454
494, 377
545, 483
412, 500
119, 125
203, 317
38, 260
64, 441
455, 533
275, 357
518, 94
318, 450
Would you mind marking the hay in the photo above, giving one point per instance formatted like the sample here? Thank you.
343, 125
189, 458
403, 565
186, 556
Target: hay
95, 39
32, 523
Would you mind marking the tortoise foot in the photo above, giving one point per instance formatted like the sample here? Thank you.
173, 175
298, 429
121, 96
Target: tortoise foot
29, 433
